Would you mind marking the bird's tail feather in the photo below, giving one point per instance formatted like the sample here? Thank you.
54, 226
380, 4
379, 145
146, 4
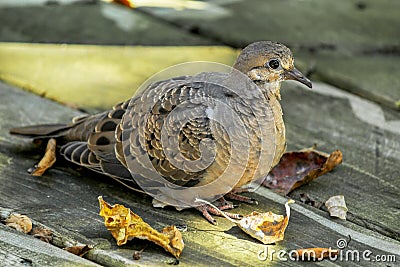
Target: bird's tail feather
41, 131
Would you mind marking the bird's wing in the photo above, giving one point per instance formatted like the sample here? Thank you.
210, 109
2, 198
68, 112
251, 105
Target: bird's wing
165, 126
182, 129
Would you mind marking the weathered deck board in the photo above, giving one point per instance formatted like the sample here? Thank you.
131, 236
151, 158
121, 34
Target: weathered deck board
66, 200
353, 46
369, 177
103, 24
44, 68
17, 249
348, 43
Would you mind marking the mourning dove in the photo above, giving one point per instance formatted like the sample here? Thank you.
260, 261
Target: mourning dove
176, 138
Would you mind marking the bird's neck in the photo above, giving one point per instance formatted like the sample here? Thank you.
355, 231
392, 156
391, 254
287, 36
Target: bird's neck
273, 95
271, 90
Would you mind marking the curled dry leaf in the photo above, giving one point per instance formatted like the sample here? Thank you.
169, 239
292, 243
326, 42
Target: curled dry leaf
125, 225
337, 207
21, 223
48, 159
79, 250
267, 227
298, 168
308, 254
42, 233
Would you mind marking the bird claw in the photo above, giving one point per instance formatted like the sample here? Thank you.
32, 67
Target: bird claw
222, 204
234, 195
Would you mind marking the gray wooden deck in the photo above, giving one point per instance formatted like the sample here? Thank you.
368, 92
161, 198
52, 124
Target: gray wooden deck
350, 49
65, 200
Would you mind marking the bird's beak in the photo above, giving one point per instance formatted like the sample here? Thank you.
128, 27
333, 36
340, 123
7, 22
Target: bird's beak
296, 75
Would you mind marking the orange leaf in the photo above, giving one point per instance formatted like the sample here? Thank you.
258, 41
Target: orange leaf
48, 159
128, 3
125, 225
308, 254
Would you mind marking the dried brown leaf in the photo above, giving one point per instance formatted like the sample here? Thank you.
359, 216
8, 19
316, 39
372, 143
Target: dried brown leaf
298, 168
42, 233
48, 159
337, 207
79, 250
125, 225
308, 254
21, 223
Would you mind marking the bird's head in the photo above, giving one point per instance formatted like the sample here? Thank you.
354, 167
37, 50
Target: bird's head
267, 64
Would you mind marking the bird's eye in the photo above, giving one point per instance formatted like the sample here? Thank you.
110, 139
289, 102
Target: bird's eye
273, 64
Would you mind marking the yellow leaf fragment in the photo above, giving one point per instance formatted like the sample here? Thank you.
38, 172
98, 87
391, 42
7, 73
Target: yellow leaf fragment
21, 223
125, 225
48, 159
267, 227
337, 207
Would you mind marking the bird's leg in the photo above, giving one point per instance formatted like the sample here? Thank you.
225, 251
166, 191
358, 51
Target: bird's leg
234, 195
222, 204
